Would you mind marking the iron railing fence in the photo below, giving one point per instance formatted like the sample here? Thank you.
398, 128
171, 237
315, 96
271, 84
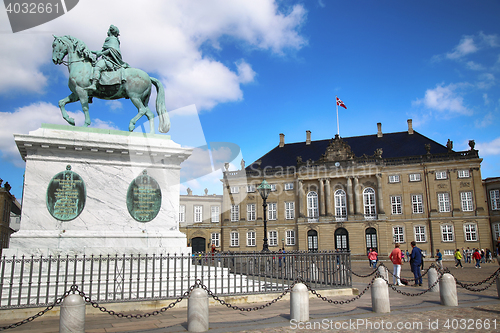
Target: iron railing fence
38, 281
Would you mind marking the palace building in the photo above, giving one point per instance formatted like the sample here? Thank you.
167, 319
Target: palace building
357, 193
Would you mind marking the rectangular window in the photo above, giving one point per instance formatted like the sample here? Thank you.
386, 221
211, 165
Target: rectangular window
290, 237
235, 213
495, 199
394, 179
273, 238
470, 232
250, 188
251, 212
398, 234
288, 186
444, 202
273, 187
215, 239
466, 199
448, 252
419, 233
251, 238
414, 177
417, 204
396, 205
289, 210
496, 230
463, 174
441, 175
198, 214
447, 232
235, 189
215, 213
272, 211
182, 213
235, 238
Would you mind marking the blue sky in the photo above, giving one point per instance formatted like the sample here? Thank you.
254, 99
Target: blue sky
238, 73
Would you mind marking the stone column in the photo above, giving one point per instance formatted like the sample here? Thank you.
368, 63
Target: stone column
198, 311
380, 296
357, 196
72, 317
328, 197
379, 195
299, 303
432, 275
350, 198
321, 197
448, 290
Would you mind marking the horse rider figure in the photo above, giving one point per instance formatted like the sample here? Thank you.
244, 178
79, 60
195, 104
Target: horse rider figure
111, 57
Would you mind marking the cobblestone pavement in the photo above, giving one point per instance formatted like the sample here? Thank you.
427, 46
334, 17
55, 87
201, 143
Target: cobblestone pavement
477, 312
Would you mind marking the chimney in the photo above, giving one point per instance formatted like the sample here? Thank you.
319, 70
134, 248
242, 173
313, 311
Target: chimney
282, 140
379, 130
308, 137
410, 126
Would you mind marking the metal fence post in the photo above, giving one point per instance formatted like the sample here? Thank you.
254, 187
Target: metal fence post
72, 317
198, 311
299, 303
448, 290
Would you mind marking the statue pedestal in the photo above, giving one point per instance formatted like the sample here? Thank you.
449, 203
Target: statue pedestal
108, 209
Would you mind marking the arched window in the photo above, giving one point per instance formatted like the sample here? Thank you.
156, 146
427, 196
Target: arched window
312, 240
340, 205
371, 239
342, 239
312, 206
369, 203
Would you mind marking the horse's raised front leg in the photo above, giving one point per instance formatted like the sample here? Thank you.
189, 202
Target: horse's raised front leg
62, 103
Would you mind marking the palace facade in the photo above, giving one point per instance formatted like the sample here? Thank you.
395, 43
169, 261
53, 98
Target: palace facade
357, 193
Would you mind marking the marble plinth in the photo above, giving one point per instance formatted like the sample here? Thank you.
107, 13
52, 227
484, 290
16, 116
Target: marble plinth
107, 161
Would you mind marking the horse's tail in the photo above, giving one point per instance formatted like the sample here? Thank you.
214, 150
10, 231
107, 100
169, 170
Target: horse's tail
164, 126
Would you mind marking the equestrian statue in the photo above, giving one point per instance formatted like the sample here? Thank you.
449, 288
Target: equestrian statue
103, 74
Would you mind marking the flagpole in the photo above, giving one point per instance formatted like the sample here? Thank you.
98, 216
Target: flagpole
337, 104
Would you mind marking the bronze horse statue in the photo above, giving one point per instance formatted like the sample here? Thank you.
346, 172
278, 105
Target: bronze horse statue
135, 84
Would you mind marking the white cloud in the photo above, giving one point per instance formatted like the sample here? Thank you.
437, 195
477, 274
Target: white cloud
489, 148
474, 66
486, 121
168, 46
445, 100
464, 47
30, 118
486, 81
245, 72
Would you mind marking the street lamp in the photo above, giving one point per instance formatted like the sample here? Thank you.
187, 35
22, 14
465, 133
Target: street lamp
264, 189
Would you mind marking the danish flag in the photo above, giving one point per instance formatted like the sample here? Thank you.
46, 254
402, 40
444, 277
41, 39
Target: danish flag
340, 103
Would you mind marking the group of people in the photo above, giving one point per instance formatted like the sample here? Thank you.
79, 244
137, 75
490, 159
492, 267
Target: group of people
479, 256
416, 258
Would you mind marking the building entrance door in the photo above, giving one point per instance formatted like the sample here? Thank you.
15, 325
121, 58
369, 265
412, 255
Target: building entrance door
371, 239
312, 241
198, 244
342, 239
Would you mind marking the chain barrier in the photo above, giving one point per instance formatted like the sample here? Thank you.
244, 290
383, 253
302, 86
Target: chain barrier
234, 307
41, 313
74, 289
468, 285
331, 301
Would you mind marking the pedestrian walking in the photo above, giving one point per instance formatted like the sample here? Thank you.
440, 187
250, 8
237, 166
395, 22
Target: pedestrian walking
373, 257
397, 261
458, 259
477, 257
439, 259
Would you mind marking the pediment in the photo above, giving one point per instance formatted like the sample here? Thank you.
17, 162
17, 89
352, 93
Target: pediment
337, 150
